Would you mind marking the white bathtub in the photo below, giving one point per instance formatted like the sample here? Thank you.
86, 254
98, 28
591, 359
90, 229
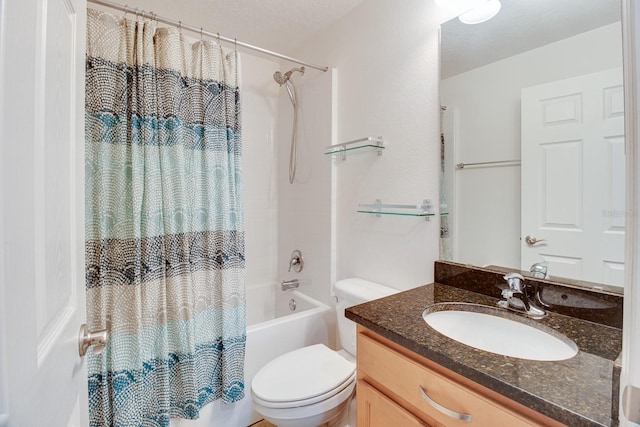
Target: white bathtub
272, 329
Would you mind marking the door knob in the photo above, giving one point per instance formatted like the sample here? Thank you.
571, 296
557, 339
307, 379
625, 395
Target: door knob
87, 338
531, 240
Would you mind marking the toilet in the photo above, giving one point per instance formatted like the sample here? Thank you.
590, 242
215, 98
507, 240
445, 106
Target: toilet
312, 386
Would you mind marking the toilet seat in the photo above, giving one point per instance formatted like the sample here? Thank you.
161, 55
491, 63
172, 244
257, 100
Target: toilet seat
302, 377
307, 402
310, 415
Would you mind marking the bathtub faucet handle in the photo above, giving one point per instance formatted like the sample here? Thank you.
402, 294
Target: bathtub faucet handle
296, 261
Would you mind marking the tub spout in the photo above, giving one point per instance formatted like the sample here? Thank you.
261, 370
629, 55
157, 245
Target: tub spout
289, 284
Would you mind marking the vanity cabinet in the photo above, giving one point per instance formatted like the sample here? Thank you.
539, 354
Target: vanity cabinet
396, 384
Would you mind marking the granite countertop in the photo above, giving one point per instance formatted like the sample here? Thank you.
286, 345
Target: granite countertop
581, 391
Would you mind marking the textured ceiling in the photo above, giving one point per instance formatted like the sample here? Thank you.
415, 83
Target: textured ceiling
520, 25
277, 25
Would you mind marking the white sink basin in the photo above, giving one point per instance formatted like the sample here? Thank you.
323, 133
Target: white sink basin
496, 331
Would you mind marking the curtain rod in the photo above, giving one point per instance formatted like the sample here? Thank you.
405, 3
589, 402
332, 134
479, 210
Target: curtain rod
179, 24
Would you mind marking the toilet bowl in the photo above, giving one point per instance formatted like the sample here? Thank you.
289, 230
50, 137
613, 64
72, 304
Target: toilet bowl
307, 387
314, 385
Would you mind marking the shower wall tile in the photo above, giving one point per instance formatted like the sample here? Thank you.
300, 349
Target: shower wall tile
305, 215
261, 243
259, 166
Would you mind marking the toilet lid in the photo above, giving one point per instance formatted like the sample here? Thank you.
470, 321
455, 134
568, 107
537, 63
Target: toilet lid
301, 374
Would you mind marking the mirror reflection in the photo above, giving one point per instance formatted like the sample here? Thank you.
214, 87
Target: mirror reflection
533, 140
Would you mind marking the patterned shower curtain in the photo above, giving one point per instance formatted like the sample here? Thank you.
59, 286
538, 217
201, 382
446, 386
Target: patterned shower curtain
164, 223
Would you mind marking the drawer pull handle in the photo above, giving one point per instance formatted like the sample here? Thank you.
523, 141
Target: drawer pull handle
449, 412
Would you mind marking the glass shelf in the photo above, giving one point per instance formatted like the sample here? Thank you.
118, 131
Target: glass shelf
368, 143
378, 208
420, 214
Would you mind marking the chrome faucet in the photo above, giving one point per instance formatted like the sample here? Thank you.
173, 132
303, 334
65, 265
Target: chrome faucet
296, 261
540, 270
285, 285
516, 298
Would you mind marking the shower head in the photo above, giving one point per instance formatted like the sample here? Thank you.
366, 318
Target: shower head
283, 78
279, 78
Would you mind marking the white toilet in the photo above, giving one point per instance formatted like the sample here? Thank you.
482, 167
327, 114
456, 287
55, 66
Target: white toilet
312, 386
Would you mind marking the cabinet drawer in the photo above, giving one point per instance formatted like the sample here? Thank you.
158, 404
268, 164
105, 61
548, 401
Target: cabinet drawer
377, 410
402, 378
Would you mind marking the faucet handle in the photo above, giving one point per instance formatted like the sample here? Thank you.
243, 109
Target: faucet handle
296, 261
515, 281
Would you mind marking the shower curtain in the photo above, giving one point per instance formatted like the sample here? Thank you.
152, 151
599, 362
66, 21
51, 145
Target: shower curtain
164, 223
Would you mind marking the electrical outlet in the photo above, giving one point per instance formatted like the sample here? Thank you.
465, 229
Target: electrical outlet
631, 403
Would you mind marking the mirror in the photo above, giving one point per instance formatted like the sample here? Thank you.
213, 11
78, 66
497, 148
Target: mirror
533, 140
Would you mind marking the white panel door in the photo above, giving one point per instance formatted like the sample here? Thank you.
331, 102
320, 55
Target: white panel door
43, 381
573, 180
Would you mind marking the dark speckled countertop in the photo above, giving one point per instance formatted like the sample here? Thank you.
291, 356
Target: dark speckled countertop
576, 392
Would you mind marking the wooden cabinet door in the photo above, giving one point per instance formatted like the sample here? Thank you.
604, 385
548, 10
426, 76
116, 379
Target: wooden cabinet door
374, 409
385, 366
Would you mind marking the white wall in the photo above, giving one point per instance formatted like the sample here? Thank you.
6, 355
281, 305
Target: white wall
386, 54
484, 106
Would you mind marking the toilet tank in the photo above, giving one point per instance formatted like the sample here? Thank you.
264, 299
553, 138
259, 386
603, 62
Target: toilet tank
350, 292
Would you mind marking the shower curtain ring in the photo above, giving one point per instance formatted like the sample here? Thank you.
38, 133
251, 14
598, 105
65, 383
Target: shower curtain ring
235, 43
126, 10
180, 26
200, 33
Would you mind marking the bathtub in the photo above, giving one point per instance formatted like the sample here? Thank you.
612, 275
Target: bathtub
277, 322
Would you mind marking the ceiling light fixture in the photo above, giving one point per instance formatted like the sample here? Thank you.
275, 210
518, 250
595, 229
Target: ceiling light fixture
481, 13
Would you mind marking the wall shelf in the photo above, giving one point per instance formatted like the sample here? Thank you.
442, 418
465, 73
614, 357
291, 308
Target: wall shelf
368, 143
378, 209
